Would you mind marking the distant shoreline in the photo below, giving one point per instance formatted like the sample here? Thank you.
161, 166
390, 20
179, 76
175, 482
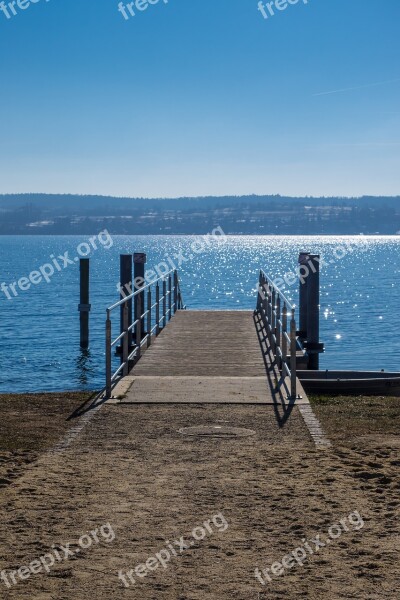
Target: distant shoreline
266, 235
47, 214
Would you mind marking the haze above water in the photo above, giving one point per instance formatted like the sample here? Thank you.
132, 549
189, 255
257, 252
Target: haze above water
360, 299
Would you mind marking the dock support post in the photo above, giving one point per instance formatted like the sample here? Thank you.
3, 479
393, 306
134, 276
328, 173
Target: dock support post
139, 261
313, 345
84, 306
309, 307
126, 290
303, 300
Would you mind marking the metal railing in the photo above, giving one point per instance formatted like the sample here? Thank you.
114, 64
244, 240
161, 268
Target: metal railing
152, 313
278, 317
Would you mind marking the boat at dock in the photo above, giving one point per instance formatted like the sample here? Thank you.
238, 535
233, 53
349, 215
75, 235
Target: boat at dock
350, 383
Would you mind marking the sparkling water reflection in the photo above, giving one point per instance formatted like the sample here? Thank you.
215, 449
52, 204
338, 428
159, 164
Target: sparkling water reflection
39, 347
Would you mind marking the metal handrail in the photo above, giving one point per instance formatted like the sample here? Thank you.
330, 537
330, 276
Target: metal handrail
277, 289
144, 311
274, 309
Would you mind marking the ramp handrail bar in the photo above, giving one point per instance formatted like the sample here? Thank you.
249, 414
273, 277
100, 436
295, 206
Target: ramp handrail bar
168, 304
274, 309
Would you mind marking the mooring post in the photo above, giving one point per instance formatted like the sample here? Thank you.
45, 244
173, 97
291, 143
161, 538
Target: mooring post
313, 345
139, 261
84, 306
126, 290
303, 299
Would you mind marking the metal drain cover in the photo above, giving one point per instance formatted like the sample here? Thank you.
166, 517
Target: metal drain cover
216, 431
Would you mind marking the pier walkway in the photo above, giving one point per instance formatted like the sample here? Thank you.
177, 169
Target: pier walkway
211, 357
203, 357
208, 356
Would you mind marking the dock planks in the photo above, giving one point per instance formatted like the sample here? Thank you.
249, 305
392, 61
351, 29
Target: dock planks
201, 357
205, 343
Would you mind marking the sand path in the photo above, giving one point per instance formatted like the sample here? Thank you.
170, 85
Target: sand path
132, 469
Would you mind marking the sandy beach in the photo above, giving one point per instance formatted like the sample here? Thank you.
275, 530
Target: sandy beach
131, 470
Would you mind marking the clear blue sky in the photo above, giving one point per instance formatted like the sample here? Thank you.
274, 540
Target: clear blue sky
198, 97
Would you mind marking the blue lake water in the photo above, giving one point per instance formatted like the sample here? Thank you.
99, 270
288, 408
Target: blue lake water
39, 328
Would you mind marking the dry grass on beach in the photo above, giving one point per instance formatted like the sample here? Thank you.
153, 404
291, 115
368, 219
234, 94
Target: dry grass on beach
344, 417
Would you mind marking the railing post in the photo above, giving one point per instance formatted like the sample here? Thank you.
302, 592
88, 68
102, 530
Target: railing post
278, 331
273, 320
259, 295
125, 339
108, 356
284, 333
293, 351
157, 308
149, 317
261, 301
139, 326
265, 305
269, 310
169, 297
164, 288
175, 291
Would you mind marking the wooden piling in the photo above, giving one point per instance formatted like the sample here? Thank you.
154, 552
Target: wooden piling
303, 299
309, 307
84, 306
126, 290
139, 261
313, 312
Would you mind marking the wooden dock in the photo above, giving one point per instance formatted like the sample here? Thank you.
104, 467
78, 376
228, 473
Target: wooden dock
207, 357
206, 343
